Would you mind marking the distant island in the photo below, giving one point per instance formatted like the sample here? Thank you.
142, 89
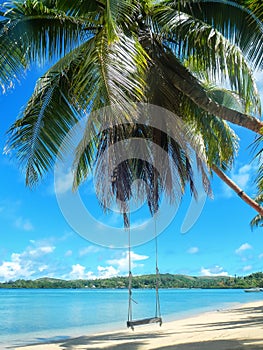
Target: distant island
167, 280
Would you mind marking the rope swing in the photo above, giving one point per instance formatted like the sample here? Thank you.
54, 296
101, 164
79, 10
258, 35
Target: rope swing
157, 319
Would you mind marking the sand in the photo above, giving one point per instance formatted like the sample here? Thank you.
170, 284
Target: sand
240, 327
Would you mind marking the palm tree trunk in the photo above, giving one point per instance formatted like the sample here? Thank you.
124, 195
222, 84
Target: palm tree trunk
238, 190
183, 80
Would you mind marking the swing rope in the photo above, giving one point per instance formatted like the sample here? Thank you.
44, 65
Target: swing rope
130, 276
157, 319
157, 274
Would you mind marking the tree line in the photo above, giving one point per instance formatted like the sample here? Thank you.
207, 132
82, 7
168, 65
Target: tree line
143, 281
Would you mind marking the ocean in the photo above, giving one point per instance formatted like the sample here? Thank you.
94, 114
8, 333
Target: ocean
39, 315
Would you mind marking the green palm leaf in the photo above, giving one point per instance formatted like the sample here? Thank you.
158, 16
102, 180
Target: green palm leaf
110, 74
37, 135
207, 50
231, 26
256, 6
38, 32
257, 221
88, 77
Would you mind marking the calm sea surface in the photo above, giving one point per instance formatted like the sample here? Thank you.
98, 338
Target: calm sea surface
30, 315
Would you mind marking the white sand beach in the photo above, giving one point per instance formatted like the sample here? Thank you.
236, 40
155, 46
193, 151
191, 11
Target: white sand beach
237, 328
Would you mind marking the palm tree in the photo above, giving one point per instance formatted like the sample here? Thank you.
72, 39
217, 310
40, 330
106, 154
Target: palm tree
255, 6
121, 53
257, 221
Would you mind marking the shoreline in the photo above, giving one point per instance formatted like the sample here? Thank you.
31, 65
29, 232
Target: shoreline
238, 327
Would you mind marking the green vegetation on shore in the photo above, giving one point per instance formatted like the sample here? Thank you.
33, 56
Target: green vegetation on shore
144, 281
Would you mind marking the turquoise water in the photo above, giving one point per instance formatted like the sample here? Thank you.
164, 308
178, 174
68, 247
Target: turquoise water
30, 315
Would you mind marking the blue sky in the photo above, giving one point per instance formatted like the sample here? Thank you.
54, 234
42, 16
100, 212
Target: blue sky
36, 239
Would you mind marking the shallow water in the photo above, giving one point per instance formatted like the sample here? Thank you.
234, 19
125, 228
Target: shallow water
35, 315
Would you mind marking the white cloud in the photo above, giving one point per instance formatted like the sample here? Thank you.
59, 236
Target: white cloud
64, 182
12, 270
193, 250
10, 211
242, 248
46, 249
116, 266
28, 263
77, 272
15, 257
247, 268
88, 250
114, 219
43, 268
33, 253
107, 272
140, 224
40, 251
243, 177
122, 263
23, 224
259, 76
68, 253
214, 271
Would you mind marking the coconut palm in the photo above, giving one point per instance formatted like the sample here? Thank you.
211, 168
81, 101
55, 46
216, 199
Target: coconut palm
257, 221
121, 53
255, 6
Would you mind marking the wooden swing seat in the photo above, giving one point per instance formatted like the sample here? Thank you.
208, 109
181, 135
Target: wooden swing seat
143, 321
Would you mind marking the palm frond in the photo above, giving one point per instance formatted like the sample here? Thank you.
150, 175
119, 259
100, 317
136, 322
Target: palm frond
233, 19
36, 137
220, 139
221, 142
257, 221
108, 75
205, 49
225, 97
114, 179
256, 6
124, 12
113, 54
257, 149
12, 62
213, 136
36, 31
78, 9
183, 80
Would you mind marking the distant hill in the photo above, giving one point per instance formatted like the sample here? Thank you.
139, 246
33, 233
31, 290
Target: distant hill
144, 281
48, 280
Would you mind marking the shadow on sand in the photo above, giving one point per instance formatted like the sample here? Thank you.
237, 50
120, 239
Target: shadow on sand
251, 317
86, 343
